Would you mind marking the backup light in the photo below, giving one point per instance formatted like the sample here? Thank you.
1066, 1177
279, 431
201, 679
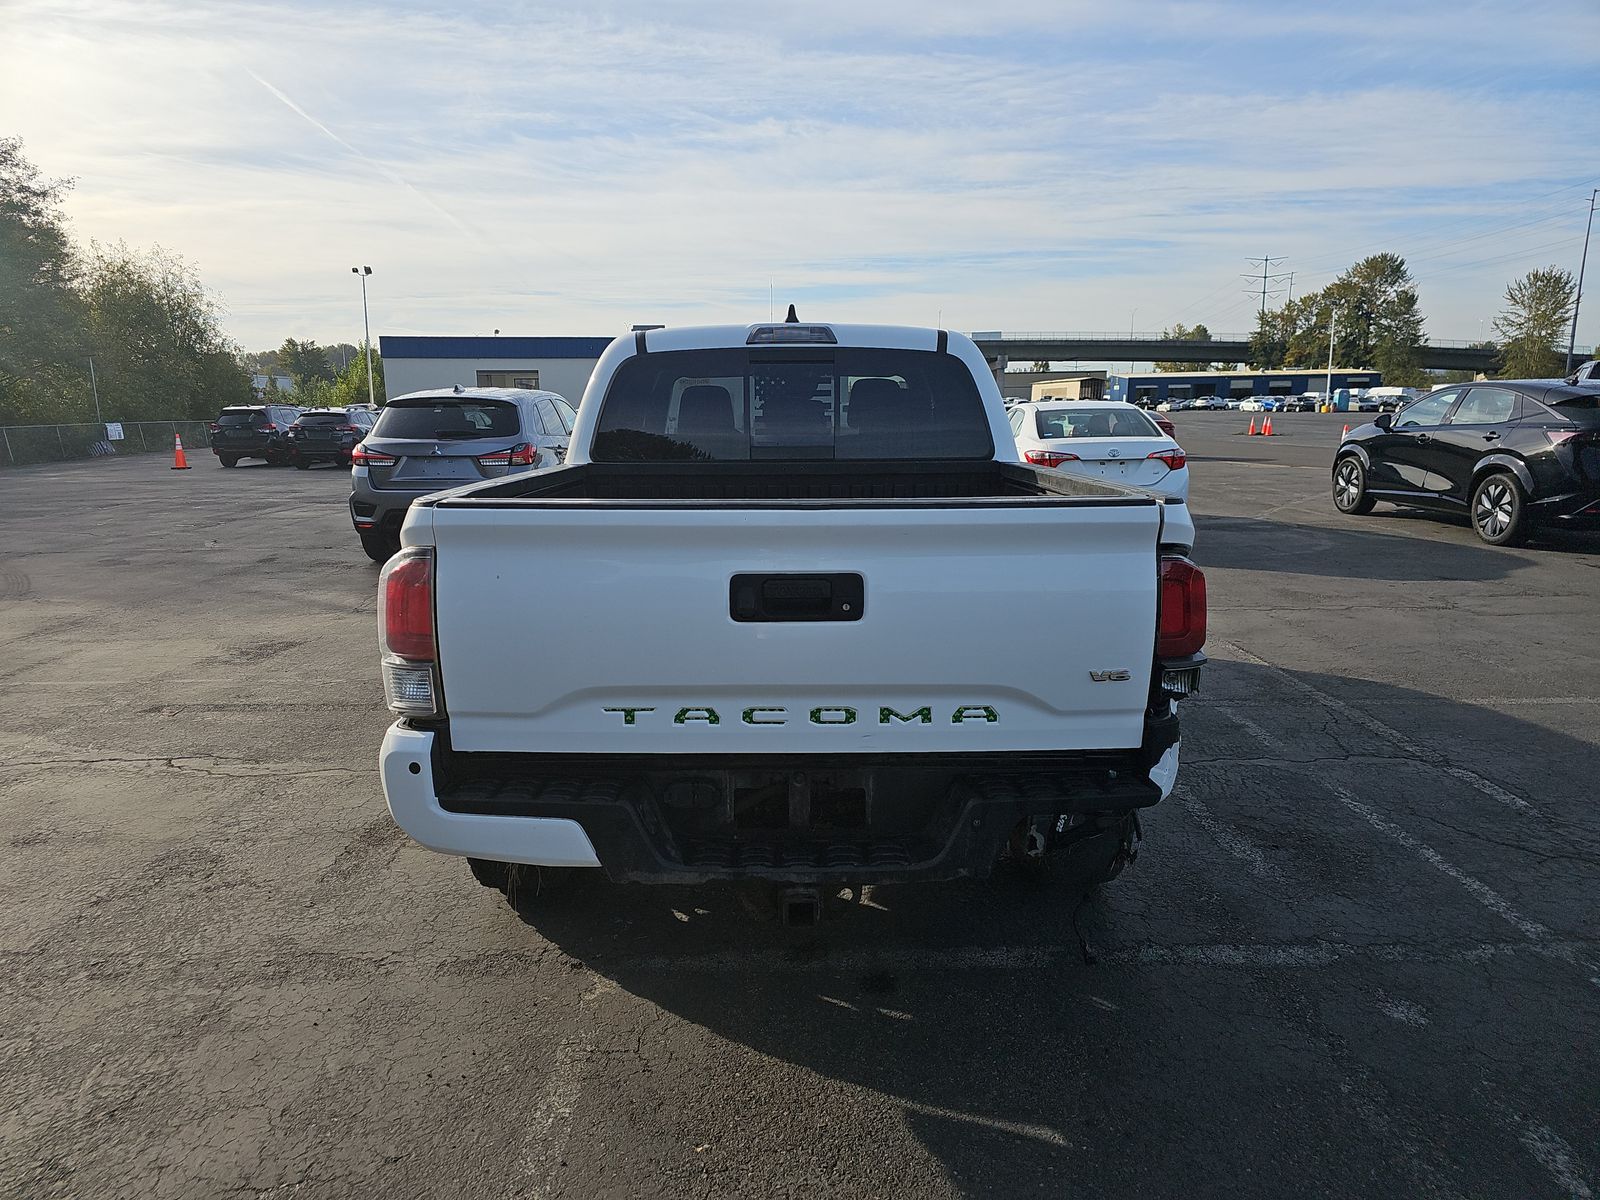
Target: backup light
408, 688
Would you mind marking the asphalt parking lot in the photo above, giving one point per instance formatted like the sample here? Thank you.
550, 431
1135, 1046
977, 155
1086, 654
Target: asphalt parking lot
1359, 954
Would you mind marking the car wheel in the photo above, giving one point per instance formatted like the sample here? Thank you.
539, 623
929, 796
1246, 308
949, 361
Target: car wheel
1350, 487
301, 465
1499, 510
380, 547
228, 460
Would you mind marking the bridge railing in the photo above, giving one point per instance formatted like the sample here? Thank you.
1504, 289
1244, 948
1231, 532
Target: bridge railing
1010, 335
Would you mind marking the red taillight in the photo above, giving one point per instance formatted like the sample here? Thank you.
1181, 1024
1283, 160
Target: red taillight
405, 590
1166, 427
1181, 621
215, 428
1048, 458
1173, 458
518, 456
371, 457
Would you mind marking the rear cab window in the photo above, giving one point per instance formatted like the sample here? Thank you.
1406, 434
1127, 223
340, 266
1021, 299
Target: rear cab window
432, 418
792, 404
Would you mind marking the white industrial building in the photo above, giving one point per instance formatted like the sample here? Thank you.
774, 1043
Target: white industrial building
553, 364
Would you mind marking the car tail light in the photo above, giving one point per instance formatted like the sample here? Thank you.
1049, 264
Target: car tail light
1173, 458
405, 631
1048, 458
518, 456
1181, 619
371, 457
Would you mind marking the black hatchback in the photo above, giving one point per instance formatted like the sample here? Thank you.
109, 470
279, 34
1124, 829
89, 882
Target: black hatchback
1506, 454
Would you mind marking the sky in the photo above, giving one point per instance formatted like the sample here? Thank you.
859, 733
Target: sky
1017, 165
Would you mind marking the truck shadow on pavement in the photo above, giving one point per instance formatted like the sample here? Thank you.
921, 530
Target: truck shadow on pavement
1262, 544
1234, 1036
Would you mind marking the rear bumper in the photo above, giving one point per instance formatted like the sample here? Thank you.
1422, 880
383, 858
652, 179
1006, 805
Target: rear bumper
634, 815
380, 509
1580, 511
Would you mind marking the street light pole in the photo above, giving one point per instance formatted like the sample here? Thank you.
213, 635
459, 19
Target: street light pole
1577, 300
1333, 319
95, 388
366, 326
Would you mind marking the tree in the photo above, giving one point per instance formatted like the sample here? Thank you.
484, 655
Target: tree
1182, 333
1041, 367
304, 362
156, 333
43, 357
1375, 319
1538, 308
351, 386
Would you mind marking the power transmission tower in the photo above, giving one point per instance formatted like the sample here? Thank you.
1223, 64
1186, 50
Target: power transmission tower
1267, 278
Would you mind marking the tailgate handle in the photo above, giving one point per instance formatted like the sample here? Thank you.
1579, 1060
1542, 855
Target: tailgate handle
795, 597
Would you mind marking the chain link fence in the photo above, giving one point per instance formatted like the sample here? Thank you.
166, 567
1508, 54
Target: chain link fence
23, 445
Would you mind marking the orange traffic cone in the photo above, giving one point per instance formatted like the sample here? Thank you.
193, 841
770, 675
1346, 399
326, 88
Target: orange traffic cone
179, 462
1252, 432
1345, 434
1266, 427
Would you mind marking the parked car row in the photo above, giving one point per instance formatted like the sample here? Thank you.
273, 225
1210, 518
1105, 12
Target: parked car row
282, 433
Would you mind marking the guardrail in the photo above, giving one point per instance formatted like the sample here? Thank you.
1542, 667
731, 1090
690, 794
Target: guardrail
24, 445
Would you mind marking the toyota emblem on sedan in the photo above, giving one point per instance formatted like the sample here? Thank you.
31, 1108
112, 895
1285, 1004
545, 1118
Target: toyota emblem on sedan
1116, 453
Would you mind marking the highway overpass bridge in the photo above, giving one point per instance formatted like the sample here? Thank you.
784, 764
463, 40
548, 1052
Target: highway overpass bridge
1155, 347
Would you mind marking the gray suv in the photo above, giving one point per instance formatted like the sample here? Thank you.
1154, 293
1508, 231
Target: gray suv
430, 441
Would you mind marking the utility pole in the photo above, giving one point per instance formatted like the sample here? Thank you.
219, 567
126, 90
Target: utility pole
366, 325
95, 388
1266, 277
1577, 300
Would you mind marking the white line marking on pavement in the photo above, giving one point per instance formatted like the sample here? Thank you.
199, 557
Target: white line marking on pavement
1372, 725
1277, 508
1038, 1133
1482, 892
1241, 848
1555, 1156
1280, 955
544, 1144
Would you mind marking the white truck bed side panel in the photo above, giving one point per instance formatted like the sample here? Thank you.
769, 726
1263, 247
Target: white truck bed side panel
982, 626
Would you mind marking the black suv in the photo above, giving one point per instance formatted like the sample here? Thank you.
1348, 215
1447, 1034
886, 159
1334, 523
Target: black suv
328, 435
1506, 454
252, 431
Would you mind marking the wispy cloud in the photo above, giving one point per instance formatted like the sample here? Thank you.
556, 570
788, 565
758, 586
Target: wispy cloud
1038, 163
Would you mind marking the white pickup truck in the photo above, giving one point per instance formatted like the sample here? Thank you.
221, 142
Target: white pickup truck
791, 610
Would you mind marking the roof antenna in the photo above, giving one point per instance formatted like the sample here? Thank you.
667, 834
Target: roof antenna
458, 389
792, 318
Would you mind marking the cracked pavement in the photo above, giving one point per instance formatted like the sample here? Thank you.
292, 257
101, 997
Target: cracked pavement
1359, 953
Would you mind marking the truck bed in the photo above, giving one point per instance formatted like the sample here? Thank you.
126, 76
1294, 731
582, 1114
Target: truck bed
789, 482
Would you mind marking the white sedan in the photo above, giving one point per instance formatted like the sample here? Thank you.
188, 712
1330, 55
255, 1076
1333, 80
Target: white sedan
1106, 439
